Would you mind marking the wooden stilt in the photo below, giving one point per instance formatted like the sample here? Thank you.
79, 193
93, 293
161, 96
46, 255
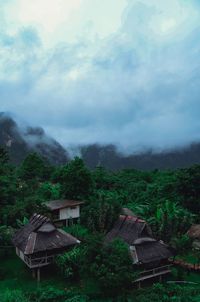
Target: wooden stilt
33, 273
38, 274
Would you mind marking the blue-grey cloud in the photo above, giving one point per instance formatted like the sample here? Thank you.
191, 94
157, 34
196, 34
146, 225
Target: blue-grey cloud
137, 87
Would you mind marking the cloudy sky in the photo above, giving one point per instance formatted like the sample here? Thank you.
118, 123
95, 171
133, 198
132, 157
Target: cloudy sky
107, 71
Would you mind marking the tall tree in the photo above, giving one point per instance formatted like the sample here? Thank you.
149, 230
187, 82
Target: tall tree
112, 267
4, 158
76, 180
188, 187
8, 186
101, 212
33, 168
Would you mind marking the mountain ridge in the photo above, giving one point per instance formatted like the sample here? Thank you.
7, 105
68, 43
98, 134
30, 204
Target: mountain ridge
19, 143
109, 157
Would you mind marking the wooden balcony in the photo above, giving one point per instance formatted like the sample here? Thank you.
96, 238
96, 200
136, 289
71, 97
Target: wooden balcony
155, 272
38, 262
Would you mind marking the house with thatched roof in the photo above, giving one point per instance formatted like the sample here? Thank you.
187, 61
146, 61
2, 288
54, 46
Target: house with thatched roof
64, 211
146, 252
39, 241
194, 234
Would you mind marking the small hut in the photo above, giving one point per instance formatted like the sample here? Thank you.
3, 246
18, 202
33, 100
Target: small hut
39, 241
129, 228
194, 234
64, 211
147, 253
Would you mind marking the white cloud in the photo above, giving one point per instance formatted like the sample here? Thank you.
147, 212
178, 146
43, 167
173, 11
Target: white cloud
66, 20
104, 71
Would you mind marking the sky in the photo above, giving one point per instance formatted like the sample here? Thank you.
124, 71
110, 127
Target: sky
125, 72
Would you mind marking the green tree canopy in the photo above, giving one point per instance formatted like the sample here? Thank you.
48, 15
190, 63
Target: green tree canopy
112, 266
188, 187
33, 168
101, 212
76, 180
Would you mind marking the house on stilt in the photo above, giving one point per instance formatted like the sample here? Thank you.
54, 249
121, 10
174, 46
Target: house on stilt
64, 211
39, 241
149, 255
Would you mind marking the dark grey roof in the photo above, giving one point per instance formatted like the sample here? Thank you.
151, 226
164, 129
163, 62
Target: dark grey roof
143, 240
128, 228
62, 203
152, 251
40, 235
47, 228
135, 232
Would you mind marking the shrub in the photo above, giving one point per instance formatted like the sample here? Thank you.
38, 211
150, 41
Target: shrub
13, 296
112, 267
69, 263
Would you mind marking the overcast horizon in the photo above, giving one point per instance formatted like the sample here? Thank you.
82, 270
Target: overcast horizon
124, 72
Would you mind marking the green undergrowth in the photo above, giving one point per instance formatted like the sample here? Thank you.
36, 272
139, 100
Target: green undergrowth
190, 257
14, 274
17, 284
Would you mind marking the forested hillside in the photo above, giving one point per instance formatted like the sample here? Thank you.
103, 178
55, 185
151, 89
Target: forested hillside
147, 160
168, 200
20, 141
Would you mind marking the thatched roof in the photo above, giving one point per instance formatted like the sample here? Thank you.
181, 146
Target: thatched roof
129, 228
151, 250
194, 231
61, 204
40, 235
137, 234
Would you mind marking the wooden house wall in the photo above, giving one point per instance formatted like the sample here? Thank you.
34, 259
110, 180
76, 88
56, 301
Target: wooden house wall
67, 213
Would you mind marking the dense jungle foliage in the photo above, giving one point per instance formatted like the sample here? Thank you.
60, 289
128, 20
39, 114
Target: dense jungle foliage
168, 200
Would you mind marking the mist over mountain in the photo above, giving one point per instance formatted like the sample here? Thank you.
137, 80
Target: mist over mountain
20, 141
109, 157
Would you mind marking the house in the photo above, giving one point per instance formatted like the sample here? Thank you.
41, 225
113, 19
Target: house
147, 253
194, 234
129, 228
64, 211
39, 241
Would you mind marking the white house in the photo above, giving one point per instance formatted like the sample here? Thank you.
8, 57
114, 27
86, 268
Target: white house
65, 211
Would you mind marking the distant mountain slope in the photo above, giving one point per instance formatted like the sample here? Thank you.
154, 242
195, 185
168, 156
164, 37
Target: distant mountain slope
20, 142
107, 156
